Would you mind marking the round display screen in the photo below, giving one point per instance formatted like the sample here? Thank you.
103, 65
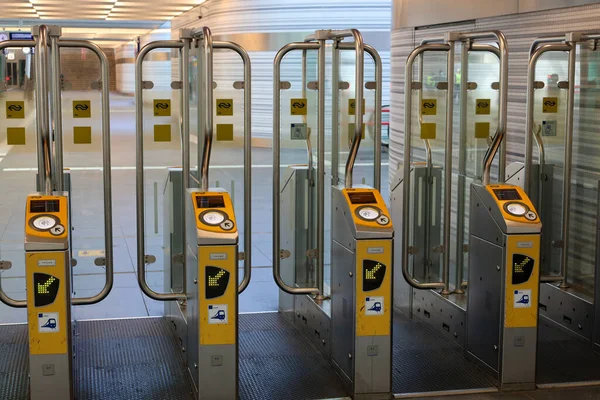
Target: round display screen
213, 218
517, 209
44, 223
368, 213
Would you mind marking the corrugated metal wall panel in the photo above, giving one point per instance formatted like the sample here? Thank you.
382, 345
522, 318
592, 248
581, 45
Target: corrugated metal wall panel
520, 31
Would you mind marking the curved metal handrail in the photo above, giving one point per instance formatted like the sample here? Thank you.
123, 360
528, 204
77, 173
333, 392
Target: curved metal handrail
106, 169
276, 167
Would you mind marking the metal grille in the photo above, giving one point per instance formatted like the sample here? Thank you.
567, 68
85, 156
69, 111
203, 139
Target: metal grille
424, 361
13, 362
278, 362
561, 357
133, 359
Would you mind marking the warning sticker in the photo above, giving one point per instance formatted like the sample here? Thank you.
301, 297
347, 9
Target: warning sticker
522, 298
48, 323
482, 130
374, 305
550, 104
428, 107
217, 313
224, 107
299, 131
428, 130
162, 107
548, 128
298, 106
82, 109
15, 109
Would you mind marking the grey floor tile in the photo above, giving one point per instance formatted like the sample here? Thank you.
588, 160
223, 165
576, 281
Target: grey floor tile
13, 284
96, 281
259, 296
9, 315
120, 303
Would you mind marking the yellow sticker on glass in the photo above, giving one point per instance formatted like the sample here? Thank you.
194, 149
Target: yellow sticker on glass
224, 132
224, 107
15, 109
352, 107
351, 126
482, 130
298, 106
162, 107
550, 105
428, 130
82, 109
428, 107
82, 134
482, 106
162, 133
15, 136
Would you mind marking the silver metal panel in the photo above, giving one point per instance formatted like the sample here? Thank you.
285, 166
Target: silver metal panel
486, 288
566, 309
343, 285
519, 347
596, 327
409, 13
402, 291
51, 374
313, 320
446, 315
218, 382
193, 324
373, 364
173, 240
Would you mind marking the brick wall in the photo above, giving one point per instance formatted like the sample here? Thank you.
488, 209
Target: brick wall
81, 67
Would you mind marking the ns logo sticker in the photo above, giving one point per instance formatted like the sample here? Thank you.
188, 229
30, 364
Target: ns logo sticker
162, 106
82, 107
15, 107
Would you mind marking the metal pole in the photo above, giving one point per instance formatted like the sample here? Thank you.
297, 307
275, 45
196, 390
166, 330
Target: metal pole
247, 159
335, 105
208, 109
502, 101
378, 101
321, 172
407, 165
140, 212
106, 171
57, 113
462, 166
358, 115
276, 167
44, 145
184, 68
448, 168
567, 169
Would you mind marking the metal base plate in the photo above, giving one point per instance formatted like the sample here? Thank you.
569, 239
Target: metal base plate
277, 361
425, 361
563, 357
14, 362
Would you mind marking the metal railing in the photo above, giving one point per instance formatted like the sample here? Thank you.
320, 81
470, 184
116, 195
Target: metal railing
317, 41
199, 37
47, 44
447, 45
540, 46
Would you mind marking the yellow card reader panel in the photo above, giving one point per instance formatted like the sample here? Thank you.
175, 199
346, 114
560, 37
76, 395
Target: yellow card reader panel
514, 204
368, 208
46, 218
214, 212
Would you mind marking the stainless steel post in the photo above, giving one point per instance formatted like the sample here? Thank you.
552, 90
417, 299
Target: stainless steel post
106, 170
57, 113
378, 101
448, 168
276, 167
335, 109
462, 166
358, 115
207, 43
140, 212
566, 195
184, 68
247, 159
321, 172
407, 165
44, 144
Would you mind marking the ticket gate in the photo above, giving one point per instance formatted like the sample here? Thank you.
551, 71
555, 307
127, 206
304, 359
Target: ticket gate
351, 326
563, 189
48, 221
442, 228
